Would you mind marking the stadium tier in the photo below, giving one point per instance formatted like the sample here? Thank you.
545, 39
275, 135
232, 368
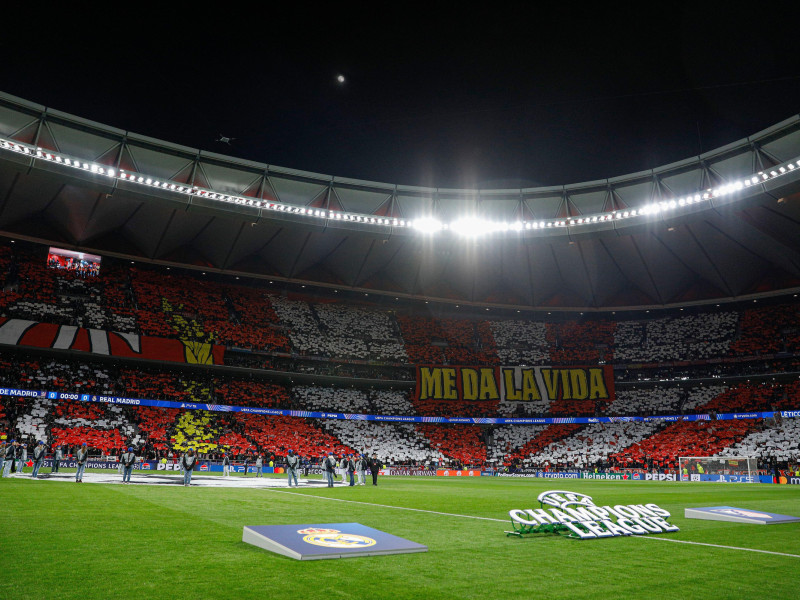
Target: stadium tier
226, 342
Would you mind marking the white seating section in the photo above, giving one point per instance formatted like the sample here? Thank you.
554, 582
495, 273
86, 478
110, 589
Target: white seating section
339, 331
508, 438
391, 402
521, 342
655, 400
592, 444
395, 443
682, 338
701, 395
781, 441
41, 311
34, 423
331, 399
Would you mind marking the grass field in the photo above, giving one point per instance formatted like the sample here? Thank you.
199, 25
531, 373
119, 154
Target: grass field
63, 540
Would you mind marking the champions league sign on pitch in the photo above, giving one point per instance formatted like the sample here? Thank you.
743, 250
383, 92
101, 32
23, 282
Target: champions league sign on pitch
576, 516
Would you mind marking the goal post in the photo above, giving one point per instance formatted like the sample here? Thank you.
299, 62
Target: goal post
741, 466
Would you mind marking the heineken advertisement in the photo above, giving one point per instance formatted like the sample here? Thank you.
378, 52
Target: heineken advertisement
605, 475
576, 516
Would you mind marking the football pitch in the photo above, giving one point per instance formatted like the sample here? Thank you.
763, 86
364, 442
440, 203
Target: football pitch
62, 540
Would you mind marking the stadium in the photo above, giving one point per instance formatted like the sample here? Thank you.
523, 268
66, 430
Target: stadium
470, 348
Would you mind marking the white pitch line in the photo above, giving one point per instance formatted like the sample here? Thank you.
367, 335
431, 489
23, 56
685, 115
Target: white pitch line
433, 512
664, 539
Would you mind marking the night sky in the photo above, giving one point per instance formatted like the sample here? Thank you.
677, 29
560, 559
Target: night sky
514, 95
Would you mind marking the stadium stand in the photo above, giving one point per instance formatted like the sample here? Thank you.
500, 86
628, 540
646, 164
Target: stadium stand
684, 439
396, 443
592, 445
521, 342
692, 337
780, 441
337, 338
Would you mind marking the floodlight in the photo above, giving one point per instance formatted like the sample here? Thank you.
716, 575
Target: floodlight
427, 225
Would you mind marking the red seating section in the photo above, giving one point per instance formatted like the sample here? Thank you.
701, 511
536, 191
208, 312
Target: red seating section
281, 434
253, 393
761, 329
102, 439
459, 442
155, 423
580, 343
705, 438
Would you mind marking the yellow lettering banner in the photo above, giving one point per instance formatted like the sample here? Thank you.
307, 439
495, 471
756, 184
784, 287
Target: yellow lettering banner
514, 384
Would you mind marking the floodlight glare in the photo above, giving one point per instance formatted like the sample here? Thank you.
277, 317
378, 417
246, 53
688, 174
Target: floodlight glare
427, 225
471, 227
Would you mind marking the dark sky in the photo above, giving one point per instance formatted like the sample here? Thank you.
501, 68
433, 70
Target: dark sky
436, 94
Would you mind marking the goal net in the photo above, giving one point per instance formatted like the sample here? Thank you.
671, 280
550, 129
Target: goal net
692, 467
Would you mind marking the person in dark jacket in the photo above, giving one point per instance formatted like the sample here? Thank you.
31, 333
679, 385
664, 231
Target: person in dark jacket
374, 467
127, 460
351, 469
188, 462
329, 466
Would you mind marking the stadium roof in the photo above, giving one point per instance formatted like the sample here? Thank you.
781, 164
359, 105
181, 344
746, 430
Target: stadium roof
721, 226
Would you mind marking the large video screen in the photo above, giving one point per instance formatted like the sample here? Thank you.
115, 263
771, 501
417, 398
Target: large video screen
85, 265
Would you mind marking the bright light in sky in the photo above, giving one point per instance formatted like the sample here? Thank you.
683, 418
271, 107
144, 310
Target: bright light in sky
340, 78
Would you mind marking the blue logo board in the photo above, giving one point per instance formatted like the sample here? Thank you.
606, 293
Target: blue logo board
327, 540
737, 515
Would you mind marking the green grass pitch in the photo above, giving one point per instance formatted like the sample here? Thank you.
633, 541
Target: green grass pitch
91, 541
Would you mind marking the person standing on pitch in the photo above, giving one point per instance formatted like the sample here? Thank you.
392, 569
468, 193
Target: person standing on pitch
58, 456
292, 462
81, 457
351, 469
10, 457
127, 461
188, 463
361, 469
374, 467
3, 447
22, 457
38, 458
343, 468
226, 464
259, 465
329, 466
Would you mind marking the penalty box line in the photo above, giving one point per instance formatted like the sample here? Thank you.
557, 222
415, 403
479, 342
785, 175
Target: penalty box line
433, 512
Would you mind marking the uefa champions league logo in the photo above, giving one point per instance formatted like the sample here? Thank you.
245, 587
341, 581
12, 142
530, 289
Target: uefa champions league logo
576, 515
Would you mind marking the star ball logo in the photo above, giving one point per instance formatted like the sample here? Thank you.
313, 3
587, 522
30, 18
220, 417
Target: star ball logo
333, 538
740, 512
